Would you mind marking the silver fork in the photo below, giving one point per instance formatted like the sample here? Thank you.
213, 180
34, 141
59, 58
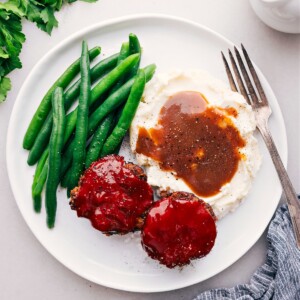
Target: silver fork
263, 111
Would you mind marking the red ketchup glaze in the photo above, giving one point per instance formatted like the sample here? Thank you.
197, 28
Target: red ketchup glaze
179, 228
112, 196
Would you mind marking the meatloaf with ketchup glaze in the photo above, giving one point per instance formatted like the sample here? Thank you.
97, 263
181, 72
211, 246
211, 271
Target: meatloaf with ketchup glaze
179, 228
113, 194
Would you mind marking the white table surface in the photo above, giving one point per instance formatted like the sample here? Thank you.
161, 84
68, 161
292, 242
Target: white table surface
27, 270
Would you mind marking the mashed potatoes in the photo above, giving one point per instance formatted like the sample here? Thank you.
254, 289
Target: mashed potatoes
217, 95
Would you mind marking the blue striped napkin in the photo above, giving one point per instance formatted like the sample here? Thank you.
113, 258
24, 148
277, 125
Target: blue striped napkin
279, 277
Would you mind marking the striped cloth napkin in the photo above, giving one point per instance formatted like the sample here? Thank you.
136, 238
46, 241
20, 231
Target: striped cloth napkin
279, 277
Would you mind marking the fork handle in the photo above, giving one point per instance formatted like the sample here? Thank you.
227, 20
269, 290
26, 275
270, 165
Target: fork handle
290, 193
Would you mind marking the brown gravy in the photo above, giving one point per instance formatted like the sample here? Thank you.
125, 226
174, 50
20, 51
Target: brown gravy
200, 144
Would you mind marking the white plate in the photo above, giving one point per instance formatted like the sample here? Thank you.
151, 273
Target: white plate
120, 262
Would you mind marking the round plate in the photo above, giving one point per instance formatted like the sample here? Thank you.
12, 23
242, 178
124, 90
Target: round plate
119, 261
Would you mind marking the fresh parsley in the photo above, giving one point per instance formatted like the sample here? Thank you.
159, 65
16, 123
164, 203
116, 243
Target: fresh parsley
40, 12
11, 40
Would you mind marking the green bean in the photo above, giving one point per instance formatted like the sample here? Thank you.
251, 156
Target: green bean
45, 106
70, 95
37, 199
66, 165
70, 119
103, 129
38, 189
134, 47
128, 48
117, 150
127, 115
69, 130
82, 118
124, 52
100, 89
98, 140
117, 117
54, 161
99, 70
109, 105
39, 167
116, 99
112, 78
65, 180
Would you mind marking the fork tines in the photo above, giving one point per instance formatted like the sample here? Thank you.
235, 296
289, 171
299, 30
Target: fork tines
243, 79
261, 92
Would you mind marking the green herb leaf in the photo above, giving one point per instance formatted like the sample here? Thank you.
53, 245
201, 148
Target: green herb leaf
3, 54
11, 40
5, 86
40, 12
12, 8
49, 19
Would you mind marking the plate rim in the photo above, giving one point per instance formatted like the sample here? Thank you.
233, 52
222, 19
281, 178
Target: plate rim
63, 43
